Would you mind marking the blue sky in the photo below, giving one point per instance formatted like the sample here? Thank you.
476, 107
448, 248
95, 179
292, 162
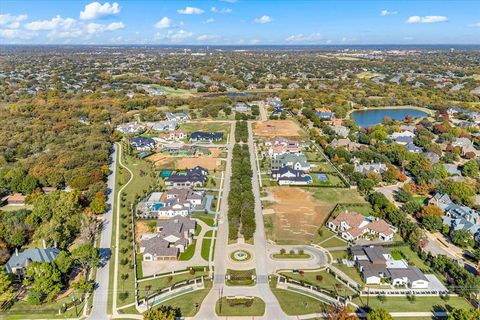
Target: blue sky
240, 22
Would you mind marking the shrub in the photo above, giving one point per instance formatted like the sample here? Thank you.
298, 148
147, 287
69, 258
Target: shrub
319, 278
123, 296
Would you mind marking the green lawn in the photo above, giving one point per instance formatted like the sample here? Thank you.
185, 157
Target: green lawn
187, 303
291, 255
297, 304
420, 199
24, 310
256, 309
399, 304
335, 195
144, 178
198, 229
206, 126
205, 217
334, 242
206, 248
166, 281
189, 252
351, 272
326, 281
339, 254
363, 209
322, 235
411, 256
208, 234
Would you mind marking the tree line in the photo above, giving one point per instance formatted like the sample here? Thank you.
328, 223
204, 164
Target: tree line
241, 203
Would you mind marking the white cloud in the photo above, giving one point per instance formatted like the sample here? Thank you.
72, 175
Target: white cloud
426, 19
16, 34
54, 23
209, 21
223, 10
96, 10
300, 37
93, 28
11, 21
207, 37
163, 23
254, 41
176, 37
263, 19
475, 25
388, 13
190, 10
229, 1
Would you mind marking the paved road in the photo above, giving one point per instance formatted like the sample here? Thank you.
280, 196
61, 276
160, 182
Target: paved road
100, 295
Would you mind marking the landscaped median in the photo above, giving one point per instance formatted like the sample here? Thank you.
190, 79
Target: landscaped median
240, 306
240, 277
292, 254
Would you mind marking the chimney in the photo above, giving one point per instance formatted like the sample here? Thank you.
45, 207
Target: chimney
16, 252
55, 244
44, 244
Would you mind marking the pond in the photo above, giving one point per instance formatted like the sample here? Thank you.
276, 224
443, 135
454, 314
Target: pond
371, 117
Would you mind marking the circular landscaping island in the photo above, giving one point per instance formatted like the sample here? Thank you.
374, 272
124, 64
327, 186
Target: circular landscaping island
240, 306
240, 255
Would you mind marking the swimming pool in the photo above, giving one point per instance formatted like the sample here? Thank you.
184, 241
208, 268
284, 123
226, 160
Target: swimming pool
157, 206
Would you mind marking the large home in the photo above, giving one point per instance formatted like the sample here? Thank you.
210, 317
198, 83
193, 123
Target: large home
173, 135
170, 203
280, 146
294, 161
456, 216
142, 143
378, 266
172, 238
466, 145
346, 143
323, 113
210, 137
289, 176
176, 117
341, 131
411, 147
241, 107
180, 149
352, 226
20, 260
405, 133
130, 127
16, 199
165, 126
195, 177
369, 167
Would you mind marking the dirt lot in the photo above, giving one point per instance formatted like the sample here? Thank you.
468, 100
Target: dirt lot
143, 227
277, 128
166, 161
296, 216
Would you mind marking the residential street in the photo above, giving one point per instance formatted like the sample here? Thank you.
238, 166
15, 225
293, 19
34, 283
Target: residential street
100, 295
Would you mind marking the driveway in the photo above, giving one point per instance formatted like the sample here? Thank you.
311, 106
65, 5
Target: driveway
101, 292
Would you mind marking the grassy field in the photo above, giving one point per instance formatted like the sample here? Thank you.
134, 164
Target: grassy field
166, 281
399, 304
256, 309
206, 248
411, 256
336, 195
10, 207
205, 217
24, 310
334, 242
340, 254
143, 178
322, 279
189, 252
351, 272
297, 304
189, 303
206, 126
291, 256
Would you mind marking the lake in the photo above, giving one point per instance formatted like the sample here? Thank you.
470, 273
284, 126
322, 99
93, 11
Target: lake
371, 117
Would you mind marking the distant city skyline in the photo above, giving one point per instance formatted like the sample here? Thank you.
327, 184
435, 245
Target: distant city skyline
240, 22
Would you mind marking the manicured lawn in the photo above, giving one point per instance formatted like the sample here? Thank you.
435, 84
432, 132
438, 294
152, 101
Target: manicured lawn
206, 248
205, 217
351, 272
208, 234
240, 277
339, 254
24, 310
334, 242
256, 309
187, 303
166, 281
411, 257
363, 209
322, 235
207, 127
139, 259
336, 195
398, 304
198, 229
420, 199
189, 252
297, 304
326, 281
291, 256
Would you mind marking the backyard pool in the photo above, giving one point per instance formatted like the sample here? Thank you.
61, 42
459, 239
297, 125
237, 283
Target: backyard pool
156, 206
